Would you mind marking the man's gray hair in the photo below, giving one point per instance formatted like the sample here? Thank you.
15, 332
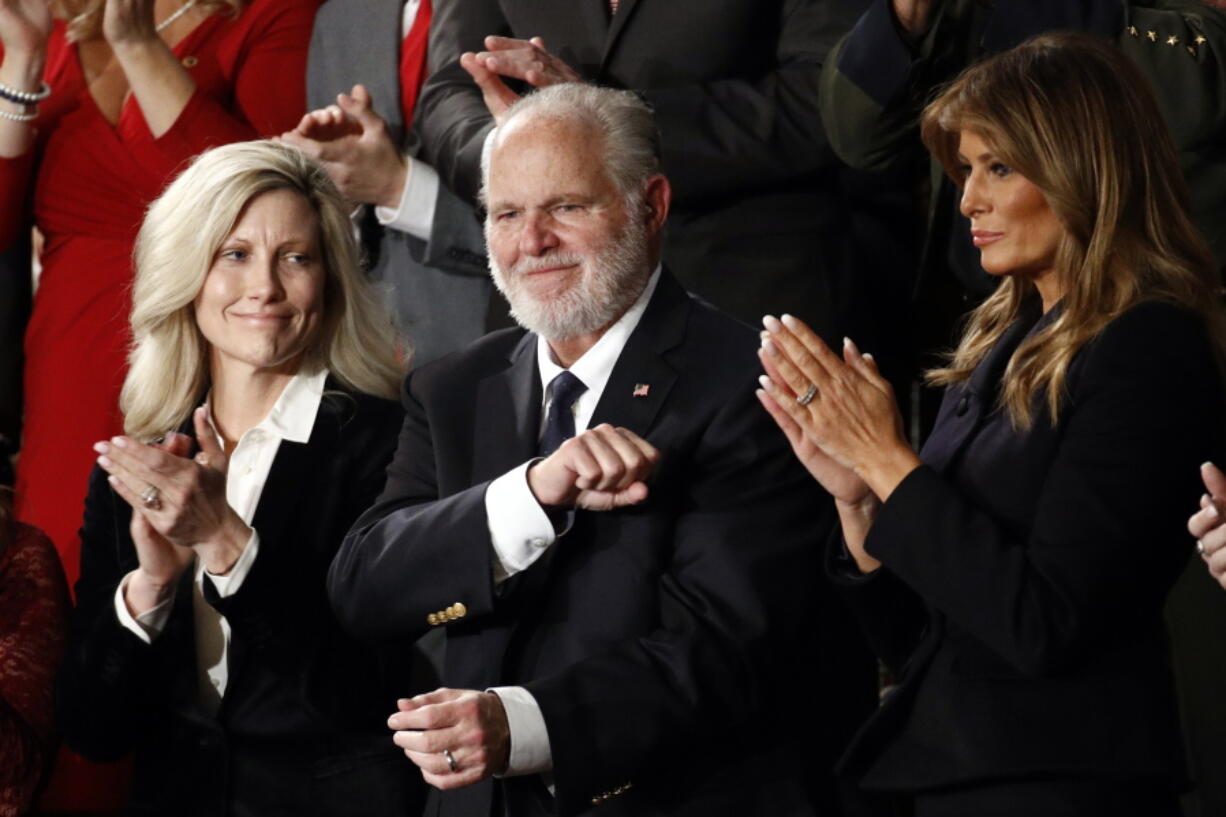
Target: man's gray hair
632, 141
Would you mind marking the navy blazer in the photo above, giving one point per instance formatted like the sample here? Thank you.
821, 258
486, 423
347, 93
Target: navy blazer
655, 638
1025, 572
302, 725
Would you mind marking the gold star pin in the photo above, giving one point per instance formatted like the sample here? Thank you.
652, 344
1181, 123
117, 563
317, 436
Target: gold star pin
1192, 51
1200, 39
1132, 31
1172, 40
1152, 35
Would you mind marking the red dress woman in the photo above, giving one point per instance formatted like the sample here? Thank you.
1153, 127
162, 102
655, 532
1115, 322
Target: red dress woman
33, 626
122, 96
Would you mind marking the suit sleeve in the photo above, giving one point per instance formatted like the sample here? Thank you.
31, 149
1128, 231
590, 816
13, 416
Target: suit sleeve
1108, 535
107, 689
720, 137
876, 81
412, 549
268, 94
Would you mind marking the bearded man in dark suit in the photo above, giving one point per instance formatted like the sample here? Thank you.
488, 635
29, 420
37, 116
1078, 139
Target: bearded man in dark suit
623, 605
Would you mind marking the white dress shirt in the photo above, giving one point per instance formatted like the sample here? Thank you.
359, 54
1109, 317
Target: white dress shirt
292, 417
415, 213
520, 530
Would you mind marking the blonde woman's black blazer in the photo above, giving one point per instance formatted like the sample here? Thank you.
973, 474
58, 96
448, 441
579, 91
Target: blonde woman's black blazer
301, 729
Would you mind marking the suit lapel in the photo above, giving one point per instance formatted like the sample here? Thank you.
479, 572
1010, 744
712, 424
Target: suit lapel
508, 414
966, 407
617, 25
642, 378
295, 465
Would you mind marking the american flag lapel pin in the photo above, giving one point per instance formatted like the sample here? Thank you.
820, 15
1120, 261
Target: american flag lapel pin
641, 389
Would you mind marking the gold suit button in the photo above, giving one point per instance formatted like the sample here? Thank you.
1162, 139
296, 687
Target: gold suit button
432, 619
460, 609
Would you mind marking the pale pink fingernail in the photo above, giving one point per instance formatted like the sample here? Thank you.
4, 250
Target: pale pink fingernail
771, 323
119, 442
789, 321
766, 382
769, 347
105, 462
101, 448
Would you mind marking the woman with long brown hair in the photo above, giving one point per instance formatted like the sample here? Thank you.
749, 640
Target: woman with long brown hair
1013, 573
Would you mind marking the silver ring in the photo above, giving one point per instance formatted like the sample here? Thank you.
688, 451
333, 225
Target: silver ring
451, 764
1200, 547
150, 497
807, 398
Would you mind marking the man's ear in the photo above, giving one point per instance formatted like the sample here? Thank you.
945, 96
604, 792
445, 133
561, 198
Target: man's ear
658, 196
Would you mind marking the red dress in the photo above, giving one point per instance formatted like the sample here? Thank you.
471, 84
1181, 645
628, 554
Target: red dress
33, 626
91, 182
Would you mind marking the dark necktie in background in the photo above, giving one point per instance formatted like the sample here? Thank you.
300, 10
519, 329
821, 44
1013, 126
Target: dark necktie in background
564, 390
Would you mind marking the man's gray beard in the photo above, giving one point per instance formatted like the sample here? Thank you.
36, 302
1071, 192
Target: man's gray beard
609, 284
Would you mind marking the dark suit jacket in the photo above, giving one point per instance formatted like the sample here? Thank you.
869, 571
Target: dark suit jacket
654, 638
302, 726
1025, 571
762, 219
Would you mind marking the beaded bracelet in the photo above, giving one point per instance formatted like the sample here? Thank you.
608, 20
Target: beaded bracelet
25, 97
19, 117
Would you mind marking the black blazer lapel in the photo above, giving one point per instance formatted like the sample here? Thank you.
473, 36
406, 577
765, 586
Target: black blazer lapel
508, 414
965, 407
643, 377
617, 25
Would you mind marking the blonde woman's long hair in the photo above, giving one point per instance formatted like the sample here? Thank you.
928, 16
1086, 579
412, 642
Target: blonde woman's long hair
168, 371
85, 16
1074, 116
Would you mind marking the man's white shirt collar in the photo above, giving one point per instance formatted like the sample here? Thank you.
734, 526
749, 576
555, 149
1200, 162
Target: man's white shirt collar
596, 364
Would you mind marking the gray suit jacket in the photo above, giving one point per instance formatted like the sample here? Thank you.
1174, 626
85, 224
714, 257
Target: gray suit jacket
439, 290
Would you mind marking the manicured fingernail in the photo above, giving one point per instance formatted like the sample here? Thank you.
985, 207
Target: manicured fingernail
1213, 511
113, 480
768, 346
869, 356
766, 383
789, 321
101, 448
771, 323
119, 442
105, 462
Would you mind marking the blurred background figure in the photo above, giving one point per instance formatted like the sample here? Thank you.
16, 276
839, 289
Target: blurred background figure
33, 624
1014, 573
424, 245
203, 640
99, 107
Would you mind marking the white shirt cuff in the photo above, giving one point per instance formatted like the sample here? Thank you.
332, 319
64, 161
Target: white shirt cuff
530, 752
149, 624
229, 584
520, 530
415, 215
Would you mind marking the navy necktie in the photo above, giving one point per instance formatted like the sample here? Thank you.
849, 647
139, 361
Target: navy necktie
564, 390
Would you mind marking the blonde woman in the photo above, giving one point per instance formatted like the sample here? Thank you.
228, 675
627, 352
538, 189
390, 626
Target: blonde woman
203, 640
1013, 572
101, 103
